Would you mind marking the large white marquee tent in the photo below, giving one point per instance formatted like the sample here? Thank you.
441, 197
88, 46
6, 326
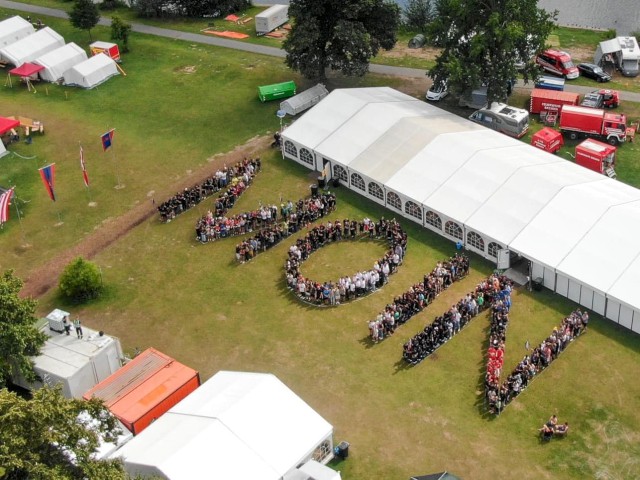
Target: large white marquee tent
58, 61
482, 188
31, 47
14, 29
235, 426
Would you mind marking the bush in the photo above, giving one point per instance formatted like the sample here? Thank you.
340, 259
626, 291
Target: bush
81, 281
610, 34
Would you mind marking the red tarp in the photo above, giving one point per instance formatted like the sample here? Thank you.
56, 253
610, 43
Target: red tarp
26, 70
7, 124
232, 18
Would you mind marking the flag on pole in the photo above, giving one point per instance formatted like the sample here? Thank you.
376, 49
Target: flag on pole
5, 201
48, 176
107, 139
85, 176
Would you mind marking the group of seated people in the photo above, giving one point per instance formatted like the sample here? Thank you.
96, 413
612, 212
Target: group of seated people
293, 218
553, 429
454, 319
241, 173
540, 357
348, 287
414, 300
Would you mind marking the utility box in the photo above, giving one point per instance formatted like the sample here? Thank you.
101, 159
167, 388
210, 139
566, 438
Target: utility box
596, 156
547, 139
272, 18
276, 91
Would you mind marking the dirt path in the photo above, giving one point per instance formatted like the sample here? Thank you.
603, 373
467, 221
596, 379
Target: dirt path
46, 276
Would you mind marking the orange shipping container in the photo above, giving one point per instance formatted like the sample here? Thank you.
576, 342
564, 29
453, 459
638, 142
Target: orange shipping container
145, 388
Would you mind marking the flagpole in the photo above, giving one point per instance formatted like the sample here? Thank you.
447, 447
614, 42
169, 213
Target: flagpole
24, 239
84, 173
115, 164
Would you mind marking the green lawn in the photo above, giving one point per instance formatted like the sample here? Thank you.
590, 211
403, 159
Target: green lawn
196, 303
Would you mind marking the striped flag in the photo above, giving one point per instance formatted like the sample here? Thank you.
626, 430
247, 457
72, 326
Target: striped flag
48, 174
85, 176
107, 139
5, 201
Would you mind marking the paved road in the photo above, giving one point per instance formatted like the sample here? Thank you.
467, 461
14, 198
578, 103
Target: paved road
263, 50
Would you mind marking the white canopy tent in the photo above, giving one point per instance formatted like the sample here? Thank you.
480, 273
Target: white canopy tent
235, 426
91, 72
58, 61
31, 47
487, 190
14, 29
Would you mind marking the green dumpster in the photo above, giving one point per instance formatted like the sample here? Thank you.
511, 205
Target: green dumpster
276, 91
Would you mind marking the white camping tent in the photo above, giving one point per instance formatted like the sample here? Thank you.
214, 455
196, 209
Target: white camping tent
91, 72
14, 29
31, 47
60, 60
304, 100
235, 426
76, 364
484, 189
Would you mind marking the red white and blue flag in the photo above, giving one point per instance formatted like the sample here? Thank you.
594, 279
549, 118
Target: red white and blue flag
48, 174
85, 176
5, 201
107, 139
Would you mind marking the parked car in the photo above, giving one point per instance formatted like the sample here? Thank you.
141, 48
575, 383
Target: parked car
590, 70
437, 93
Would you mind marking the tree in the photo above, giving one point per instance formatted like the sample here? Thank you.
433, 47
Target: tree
120, 31
482, 41
340, 34
19, 338
53, 438
418, 14
81, 281
84, 15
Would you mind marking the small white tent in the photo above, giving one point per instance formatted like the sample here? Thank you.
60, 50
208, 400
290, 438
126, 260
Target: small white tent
60, 60
14, 29
31, 47
91, 72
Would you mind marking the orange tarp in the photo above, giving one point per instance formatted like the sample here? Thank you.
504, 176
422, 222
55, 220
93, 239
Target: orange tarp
227, 34
232, 18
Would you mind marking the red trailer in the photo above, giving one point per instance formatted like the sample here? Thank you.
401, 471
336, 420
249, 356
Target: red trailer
145, 388
547, 139
597, 156
543, 100
108, 48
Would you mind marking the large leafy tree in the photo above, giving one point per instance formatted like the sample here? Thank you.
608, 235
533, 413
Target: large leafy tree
418, 14
84, 15
19, 338
339, 34
52, 438
483, 40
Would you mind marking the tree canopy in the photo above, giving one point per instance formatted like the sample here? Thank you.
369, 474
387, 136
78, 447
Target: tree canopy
80, 281
19, 338
52, 438
340, 34
418, 14
84, 15
482, 41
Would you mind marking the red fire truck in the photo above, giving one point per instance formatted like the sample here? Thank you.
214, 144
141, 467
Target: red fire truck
543, 100
579, 122
603, 98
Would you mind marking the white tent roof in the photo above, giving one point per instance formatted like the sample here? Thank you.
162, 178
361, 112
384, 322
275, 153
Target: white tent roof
58, 61
235, 426
31, 47
14, 29
91, 72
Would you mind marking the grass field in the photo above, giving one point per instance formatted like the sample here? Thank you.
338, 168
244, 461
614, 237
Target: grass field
195, 303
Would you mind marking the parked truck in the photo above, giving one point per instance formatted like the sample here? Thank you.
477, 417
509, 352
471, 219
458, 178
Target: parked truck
271, 18
580, 122
603, 98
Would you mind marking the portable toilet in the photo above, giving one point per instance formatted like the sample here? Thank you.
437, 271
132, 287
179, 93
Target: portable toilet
597, 156
547, 139
277, 91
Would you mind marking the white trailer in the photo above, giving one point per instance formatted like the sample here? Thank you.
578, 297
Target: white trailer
304, 100
272, 18
621, 53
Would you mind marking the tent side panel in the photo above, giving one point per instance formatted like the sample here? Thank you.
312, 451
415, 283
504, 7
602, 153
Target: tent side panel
549, 278
636, 321
626, 316
562, 285
574, 291
599, 303
613, 310
586, 297
537, 271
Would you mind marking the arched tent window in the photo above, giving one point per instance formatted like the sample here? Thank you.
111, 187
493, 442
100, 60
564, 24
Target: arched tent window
306, 156
433, 219
341, 173
475, 241
413, 209
357, 181
453, 229
493, 249
393, 200
375, 190
291, 149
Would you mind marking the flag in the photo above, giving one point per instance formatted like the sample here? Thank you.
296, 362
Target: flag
85, 176
48, 176
5, 201
107, 139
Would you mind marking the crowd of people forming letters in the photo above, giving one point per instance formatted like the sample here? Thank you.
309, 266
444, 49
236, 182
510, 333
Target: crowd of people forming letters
345, 288
537, 359
233, 180
455, 319
414, 300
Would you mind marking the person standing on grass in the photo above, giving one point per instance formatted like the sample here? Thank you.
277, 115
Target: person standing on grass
78, 326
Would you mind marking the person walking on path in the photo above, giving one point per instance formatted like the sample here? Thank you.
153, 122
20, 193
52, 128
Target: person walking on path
78, 325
